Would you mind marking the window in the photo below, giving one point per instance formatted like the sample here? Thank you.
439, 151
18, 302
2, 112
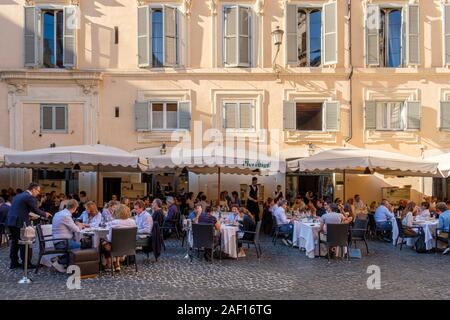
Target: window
50, 36
238, 115
390, 116
309, 37
237, 36
54, 118
161, 42
309, 116
392, 36
162, 115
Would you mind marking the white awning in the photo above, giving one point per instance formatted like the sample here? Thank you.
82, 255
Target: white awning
208, 160
354, 160
88, 157
443, 161
3, 151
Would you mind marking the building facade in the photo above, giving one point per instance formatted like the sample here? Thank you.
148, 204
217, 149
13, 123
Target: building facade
127, 73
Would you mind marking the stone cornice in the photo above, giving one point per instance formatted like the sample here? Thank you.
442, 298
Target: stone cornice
49, 75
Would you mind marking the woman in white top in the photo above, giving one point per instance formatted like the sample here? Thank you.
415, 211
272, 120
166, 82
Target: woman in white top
408, 218
425, 212
122, 219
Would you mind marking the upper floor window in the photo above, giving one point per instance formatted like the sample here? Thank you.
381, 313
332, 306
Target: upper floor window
53, 118
162, 115
238, 115
161, 36
446, 29
392, 115
311, 35
392, 36
50, 37
237, 33
311, 116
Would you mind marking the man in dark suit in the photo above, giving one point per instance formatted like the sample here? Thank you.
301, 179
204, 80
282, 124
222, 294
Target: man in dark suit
4, 209
18, 215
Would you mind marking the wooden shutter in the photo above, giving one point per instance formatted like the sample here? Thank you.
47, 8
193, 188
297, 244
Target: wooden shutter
445, 115
141, 116
183, 34
373, 35
413, 115
332, 116
184, 115
170, 36
230, 36
291, 17
245, 116
289, 116
230, 115
244, 36
330, 43
143, 34
413, 35
30, 37
46, 118
446, 30
370, 108
69, 37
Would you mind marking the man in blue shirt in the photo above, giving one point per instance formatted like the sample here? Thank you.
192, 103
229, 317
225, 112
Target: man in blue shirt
444, 221
384, 217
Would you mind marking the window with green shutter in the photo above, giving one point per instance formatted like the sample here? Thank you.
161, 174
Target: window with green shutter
238, 115
237, 30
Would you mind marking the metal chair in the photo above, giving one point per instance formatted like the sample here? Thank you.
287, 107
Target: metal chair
3, 234
255, 240
402, 234
441, 236
336, 236
43, 250
277, 232
123, 243
174, 224
203, 238
358, 232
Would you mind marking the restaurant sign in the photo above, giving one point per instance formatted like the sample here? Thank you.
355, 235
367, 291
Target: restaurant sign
257, 164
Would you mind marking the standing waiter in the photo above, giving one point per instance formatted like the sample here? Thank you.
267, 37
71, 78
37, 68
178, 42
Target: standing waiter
252, 199
21, 207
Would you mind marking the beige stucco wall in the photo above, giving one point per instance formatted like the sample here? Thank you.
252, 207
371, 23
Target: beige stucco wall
122, 82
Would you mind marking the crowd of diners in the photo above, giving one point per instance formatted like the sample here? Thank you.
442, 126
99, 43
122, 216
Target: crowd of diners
71, 214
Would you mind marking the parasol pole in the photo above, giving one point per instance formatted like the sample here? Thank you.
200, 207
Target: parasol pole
344, 176
98, 185
218, 185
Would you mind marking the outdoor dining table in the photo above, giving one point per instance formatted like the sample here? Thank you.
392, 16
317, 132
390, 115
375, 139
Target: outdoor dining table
429, 228
228, 241
306, 236
96, 233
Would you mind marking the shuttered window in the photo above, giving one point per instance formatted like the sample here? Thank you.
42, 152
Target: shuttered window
393, 115
162, 36
162, 115
445, 115
50, 37
237, 36
54, 118
446, 29
238, 115
311, 35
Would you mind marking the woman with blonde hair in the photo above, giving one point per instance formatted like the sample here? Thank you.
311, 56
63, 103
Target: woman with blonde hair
122, 219
407, 216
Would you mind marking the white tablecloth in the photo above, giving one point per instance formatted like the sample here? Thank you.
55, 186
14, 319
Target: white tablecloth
429, 228
306, 237
228, 240
98, 233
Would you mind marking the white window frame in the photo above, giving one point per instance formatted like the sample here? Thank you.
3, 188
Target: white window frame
164, 103
323, 114
250, 36
40, 33
402, 37
177, 27
54, 106
308, 48
388, 116
238, 102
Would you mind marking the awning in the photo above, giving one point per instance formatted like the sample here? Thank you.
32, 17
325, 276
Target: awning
87, 157
3, 151
354, 160
208, 160
443, 161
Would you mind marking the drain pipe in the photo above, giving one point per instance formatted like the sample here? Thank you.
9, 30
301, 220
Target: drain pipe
349, 19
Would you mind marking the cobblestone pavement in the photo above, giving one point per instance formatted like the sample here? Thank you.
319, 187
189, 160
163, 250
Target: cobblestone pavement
281, 273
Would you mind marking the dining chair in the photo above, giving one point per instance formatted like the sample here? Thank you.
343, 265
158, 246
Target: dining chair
123, 243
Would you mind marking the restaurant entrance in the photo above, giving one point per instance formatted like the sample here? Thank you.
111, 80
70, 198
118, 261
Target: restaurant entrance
322, 185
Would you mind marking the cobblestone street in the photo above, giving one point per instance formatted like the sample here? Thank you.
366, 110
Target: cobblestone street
282, 273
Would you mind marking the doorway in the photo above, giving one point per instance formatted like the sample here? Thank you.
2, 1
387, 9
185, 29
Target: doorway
111, 186
321, 185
